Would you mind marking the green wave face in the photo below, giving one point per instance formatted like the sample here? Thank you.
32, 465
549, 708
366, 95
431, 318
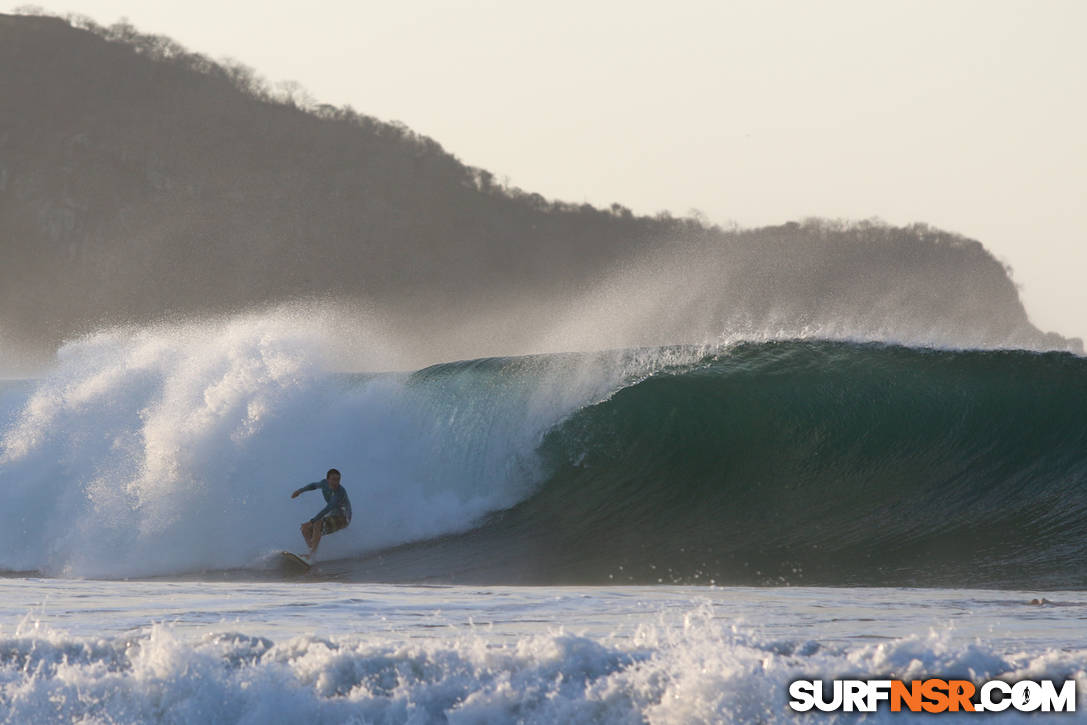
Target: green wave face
807, 463
829, 463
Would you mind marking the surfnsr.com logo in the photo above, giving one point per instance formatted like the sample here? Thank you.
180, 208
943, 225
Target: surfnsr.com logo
932, 695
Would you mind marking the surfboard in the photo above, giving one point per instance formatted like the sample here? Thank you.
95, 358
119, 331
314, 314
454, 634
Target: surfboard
294, 563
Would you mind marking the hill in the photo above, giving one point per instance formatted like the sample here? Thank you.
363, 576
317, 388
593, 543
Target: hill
140, 181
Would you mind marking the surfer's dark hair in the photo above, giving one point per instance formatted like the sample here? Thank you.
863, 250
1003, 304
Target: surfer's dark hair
331, 471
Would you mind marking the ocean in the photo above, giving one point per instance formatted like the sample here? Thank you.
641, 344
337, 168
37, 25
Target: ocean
332, 652
644, 535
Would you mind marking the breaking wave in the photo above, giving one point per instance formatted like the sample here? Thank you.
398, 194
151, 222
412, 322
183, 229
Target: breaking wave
173, 450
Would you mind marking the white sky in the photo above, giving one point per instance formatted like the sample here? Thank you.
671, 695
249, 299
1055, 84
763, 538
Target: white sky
970, 115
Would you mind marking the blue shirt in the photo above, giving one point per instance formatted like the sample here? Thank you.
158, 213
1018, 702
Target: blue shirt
337, 500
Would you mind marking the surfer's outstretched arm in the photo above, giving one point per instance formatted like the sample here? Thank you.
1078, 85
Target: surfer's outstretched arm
307, 487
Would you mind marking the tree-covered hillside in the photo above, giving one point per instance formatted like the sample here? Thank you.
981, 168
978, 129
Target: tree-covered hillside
139, 180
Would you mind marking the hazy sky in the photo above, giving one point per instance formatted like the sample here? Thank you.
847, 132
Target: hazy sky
967, 115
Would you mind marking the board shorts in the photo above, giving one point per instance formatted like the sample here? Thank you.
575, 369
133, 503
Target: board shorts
333, 522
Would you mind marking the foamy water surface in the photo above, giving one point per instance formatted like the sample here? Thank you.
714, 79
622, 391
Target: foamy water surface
92, 651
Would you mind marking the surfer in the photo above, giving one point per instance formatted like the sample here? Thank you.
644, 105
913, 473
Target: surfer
334, 516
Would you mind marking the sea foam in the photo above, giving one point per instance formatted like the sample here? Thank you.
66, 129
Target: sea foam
705, 670
174, 448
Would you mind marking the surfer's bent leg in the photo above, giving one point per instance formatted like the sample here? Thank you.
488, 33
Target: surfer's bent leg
312, 535
312, 531
333, 523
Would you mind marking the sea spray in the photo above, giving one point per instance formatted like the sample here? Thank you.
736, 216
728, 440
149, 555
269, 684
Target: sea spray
173, 448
